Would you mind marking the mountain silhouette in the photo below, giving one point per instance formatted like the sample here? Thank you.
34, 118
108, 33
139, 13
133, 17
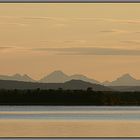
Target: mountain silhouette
126, 88
55, 77
106, 83
69, 85
124, 80
61, 77
17, 77
83, 78
79, 84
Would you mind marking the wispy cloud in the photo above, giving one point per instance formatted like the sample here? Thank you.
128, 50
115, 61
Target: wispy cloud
5, 48
82, 41
12, 48
129, 21
58, 22
133, 42
11, 23
123, 21
34, 18
114, 31
138, 32
90, 51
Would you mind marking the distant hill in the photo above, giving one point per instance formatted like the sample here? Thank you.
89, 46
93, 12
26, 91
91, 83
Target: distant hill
83, 78
125, 88
79, 84
61, 77
17, 77
106, 83
124, 80
71, 85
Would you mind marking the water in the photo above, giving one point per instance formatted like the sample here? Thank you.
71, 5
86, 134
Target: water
72, 121
70, 112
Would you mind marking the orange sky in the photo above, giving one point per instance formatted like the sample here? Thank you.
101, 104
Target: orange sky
101, 41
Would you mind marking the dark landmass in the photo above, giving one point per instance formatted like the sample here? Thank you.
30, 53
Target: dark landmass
74, 92
68, 97
125, 88
73, 84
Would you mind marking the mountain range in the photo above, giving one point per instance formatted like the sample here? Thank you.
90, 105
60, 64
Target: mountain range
17, 77
61, 77
124, 80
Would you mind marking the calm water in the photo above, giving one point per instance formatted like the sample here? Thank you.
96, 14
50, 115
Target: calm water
69, 113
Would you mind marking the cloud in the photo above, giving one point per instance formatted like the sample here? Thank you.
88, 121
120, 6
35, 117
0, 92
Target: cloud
6, 48
3, 48
24, 21
133, 42
12, 48
18, 24
90, 51
123, 21
129, 21
34, 18
66, 42
119, 31
8, 20
73, 19
107, 31
114, 31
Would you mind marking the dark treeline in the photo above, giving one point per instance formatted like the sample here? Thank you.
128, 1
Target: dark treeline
68, 97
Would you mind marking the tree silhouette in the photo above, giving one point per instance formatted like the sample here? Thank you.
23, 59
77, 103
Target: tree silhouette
68, 97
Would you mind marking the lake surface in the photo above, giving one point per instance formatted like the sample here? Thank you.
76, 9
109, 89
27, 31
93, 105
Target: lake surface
70, 113
72, 121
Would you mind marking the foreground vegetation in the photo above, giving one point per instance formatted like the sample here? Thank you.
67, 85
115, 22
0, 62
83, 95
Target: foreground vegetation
68, 97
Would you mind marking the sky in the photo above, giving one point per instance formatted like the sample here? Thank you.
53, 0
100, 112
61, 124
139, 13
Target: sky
99, 40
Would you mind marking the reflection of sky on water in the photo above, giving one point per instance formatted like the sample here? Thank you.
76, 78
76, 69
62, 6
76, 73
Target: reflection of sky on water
70, 113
